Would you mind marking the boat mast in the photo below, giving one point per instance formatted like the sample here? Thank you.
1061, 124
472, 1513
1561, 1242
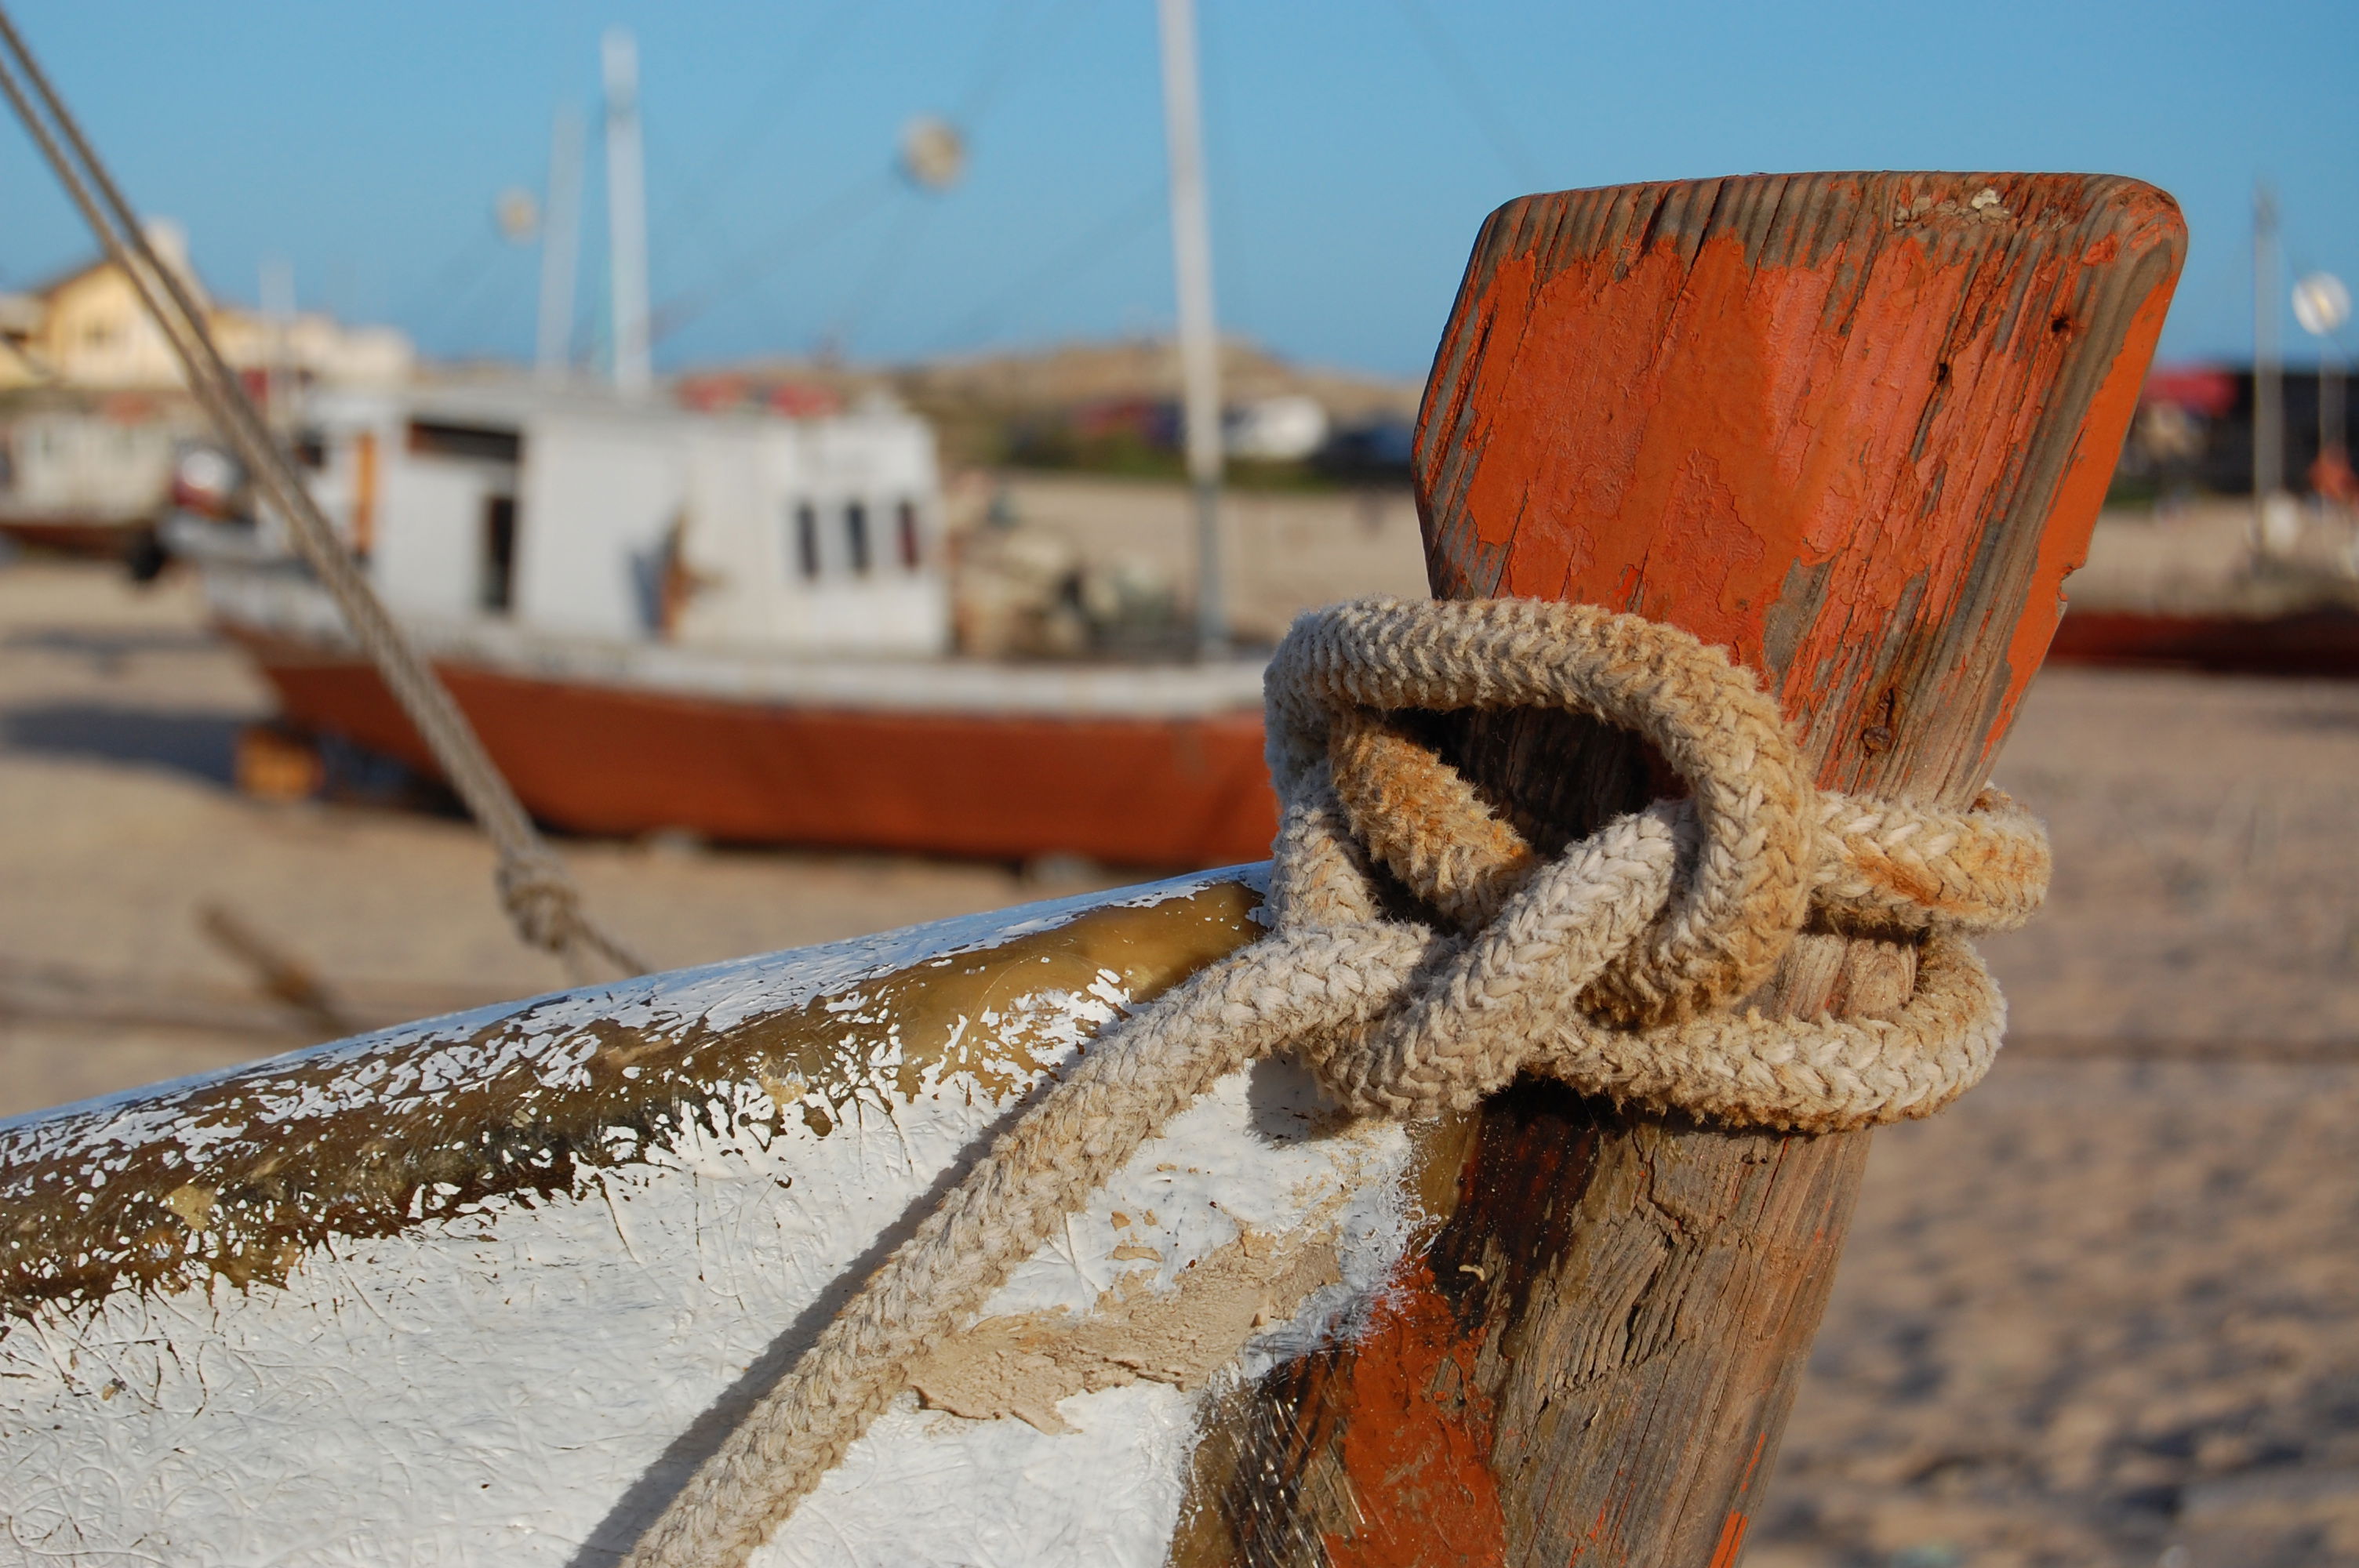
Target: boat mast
627, 215
2269, 369
560, 247
1199, 362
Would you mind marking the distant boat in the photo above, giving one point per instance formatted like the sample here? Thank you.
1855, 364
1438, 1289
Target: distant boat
736, 624
88, 474
2201, 591
2322, 641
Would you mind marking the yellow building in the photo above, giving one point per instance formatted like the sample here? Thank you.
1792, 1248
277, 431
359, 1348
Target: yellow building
93, 413
89, 330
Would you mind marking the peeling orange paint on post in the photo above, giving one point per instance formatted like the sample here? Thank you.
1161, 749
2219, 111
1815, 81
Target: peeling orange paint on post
1744, 463
2087, 479
1732, 1532
1416, 1432
1731, 1540
1789, 414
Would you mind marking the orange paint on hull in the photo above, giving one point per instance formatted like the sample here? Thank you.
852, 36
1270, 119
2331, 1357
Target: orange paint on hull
2312, 642
103, 541
590, 759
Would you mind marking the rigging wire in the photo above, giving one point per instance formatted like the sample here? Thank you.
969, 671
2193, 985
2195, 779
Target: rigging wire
879, 278
998, 64
539, 895
831, 218
461, 270
1124, 224
508, 298
458, 311
1477, 103
1016, 38
695, 205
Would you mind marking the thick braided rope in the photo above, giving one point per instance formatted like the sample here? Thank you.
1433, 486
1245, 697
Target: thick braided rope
1727, 926
1653, 922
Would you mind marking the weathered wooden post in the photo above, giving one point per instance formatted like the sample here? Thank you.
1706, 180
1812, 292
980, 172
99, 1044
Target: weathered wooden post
1857, 428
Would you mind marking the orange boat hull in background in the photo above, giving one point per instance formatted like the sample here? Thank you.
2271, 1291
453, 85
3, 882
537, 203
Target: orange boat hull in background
1179, 792
2306, 642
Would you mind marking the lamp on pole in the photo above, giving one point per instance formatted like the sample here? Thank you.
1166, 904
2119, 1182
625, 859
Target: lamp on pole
2321, 304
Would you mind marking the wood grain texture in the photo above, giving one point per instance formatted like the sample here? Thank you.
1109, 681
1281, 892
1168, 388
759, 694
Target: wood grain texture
1856, 429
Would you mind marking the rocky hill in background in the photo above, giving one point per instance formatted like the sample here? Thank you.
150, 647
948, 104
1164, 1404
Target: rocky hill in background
1105, 407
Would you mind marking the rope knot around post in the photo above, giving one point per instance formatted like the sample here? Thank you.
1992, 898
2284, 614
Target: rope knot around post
1613, 965
1619, 965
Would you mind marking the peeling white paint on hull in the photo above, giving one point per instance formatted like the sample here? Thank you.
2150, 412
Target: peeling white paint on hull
527, 1377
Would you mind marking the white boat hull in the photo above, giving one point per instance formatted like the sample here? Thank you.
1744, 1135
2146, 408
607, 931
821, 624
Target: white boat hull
524, 1362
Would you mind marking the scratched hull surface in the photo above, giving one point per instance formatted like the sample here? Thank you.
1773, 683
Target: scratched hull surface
486, 1288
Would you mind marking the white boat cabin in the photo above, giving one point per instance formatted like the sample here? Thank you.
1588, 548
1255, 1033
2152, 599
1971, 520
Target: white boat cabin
583, 516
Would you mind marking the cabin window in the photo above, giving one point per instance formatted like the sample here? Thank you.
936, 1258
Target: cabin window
807, 541
855, 534
906, 529
496, 590
435, 439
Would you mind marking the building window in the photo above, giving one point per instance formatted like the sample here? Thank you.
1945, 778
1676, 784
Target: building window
855, 534
906, 530
807, 541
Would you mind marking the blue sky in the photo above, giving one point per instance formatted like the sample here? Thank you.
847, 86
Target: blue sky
1355, 145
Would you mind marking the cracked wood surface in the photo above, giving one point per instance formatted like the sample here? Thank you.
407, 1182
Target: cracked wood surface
1857, 428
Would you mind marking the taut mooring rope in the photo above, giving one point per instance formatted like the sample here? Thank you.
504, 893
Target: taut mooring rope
1611, 965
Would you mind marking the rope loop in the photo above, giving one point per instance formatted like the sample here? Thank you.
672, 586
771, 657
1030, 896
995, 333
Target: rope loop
544, 905
1730, 919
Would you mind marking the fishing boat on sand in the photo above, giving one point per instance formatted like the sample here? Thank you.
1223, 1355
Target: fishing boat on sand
736, 625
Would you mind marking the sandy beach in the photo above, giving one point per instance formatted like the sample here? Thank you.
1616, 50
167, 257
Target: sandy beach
2102, 1312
